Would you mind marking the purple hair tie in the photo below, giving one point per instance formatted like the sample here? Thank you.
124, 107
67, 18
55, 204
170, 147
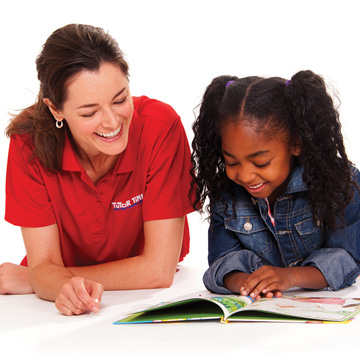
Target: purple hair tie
288, 82
229, 83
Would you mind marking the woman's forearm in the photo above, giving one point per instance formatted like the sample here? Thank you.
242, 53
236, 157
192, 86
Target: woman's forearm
47, 280
128, 274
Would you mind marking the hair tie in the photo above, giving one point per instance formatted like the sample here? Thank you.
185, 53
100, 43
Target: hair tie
229, 83
288, 82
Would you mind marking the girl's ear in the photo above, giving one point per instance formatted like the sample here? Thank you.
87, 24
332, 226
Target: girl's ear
296, 148
56, 113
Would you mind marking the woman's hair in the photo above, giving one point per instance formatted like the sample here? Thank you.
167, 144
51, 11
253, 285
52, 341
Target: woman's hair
302, 110
68, 51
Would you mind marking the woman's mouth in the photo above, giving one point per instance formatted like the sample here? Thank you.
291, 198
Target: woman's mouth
111, 134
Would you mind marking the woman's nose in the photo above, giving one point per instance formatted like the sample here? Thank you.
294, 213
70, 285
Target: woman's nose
110, 119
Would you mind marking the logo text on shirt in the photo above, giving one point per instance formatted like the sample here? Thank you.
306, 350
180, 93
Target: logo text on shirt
124, 205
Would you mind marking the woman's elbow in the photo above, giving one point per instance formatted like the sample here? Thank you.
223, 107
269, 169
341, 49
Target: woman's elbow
161, 279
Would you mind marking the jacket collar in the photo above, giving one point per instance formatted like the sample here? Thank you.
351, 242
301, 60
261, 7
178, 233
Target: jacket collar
296, 182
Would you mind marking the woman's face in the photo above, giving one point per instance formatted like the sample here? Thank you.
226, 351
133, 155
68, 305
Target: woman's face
99, 110
260, 165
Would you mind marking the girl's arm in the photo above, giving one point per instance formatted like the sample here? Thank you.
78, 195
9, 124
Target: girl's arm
76, 290
271, 280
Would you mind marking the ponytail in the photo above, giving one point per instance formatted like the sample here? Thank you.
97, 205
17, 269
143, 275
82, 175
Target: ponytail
46, 140
327, 170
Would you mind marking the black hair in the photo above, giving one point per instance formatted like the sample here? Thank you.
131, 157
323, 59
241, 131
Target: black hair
301, 109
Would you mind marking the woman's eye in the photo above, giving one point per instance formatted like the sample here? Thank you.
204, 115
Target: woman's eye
263, 165
120, 101
88, 115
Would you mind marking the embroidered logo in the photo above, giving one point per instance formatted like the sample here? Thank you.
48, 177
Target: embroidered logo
124, 205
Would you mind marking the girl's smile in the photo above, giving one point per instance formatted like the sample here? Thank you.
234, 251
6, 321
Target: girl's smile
259, 164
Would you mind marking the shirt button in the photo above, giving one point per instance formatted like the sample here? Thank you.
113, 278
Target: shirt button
99, 204
98, 223
247, 226
102, 184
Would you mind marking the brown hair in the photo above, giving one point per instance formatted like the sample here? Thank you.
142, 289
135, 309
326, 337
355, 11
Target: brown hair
67, 51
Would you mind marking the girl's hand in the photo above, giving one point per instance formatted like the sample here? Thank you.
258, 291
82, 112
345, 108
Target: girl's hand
14, 279
267, 281
235, 281
79, 296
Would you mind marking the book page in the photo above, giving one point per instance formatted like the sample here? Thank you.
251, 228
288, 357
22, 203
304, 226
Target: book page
316, 308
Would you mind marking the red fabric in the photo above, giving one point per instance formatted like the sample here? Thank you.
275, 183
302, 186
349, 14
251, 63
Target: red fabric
104, 222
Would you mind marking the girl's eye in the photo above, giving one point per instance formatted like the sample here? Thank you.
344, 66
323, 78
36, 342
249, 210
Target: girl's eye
263, 165
230, 165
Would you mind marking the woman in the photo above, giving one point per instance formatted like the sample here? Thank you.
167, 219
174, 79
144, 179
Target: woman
98, 181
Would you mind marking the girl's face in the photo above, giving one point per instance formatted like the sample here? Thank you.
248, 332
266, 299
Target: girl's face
98, 110
260, 165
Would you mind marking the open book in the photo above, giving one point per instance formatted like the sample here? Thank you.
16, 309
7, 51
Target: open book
207, 306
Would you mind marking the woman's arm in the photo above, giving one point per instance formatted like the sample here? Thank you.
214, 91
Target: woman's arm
76, 290
154, 268
51, 280
14, 279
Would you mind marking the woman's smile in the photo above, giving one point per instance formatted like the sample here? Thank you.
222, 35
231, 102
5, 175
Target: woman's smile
111, 134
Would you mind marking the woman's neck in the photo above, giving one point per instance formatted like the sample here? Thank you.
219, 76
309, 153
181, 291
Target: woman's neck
97, 168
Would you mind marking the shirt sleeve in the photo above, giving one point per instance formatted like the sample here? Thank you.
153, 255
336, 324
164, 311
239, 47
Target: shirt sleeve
27, 200
168, 180
339, 259
226, 254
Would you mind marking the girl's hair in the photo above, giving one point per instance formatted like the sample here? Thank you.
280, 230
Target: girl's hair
302, 110
68, 51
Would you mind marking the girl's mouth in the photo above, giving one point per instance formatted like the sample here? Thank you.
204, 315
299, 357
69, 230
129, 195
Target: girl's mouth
255, 188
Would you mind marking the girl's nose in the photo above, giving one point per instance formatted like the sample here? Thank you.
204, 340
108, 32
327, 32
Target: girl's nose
246, 175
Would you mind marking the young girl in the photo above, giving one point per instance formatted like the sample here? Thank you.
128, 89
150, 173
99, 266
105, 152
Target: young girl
284, 200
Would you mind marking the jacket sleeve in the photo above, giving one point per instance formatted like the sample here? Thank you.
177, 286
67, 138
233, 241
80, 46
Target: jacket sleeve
226, 254
339, 259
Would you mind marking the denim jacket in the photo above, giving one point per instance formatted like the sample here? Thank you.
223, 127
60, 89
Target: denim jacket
249, 240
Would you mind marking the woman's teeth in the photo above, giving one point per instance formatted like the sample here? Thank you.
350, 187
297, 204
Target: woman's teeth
111, 134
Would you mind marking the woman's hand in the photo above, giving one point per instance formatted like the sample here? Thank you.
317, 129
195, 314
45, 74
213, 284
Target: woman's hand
79, 296
14, 279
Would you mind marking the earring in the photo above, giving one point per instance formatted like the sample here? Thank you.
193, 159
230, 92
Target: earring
59, 124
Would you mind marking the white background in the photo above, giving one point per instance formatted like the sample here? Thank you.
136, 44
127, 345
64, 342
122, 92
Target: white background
175, 48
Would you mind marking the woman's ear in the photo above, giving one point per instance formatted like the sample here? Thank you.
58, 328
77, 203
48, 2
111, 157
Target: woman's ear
56, 113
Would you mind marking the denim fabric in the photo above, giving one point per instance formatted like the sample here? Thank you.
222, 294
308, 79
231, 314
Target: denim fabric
248, 240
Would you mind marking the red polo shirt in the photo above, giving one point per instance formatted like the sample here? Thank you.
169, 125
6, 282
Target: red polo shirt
104, 222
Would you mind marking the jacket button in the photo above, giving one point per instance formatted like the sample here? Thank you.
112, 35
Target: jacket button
247, 226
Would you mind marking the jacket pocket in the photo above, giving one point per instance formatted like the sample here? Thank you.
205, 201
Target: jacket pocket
309, 234
252, 233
